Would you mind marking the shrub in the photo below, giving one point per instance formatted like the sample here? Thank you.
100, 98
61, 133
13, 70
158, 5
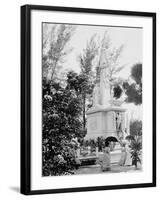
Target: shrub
61, 123
136, 146
136, 128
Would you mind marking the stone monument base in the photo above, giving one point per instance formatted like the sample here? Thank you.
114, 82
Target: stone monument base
101, 122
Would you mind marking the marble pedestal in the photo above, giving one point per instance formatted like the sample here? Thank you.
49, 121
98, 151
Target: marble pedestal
101, 121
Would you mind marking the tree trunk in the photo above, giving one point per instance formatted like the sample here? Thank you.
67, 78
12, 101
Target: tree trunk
84, 112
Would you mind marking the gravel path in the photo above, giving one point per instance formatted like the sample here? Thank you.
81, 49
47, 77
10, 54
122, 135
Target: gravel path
95, 169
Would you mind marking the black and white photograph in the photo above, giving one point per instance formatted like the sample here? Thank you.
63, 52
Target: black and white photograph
92, 99
88, 99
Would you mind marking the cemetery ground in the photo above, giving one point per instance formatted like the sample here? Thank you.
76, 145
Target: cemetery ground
115, 168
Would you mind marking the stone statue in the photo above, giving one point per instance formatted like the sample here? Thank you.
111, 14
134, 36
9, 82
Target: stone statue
118, 121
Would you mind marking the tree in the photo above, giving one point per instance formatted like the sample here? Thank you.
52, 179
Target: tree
109, 60
134, 90
75, 82
86, 59
61, 123
136, 128
55, 48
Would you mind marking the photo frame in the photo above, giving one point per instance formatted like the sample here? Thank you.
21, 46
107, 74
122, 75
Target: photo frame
70, 145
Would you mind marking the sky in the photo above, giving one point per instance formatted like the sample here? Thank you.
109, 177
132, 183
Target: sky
130, 38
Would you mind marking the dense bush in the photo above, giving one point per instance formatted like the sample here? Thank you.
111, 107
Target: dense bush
136, 141
61, 123
136, 128
117, 91
93, 143
133, 90
136, 146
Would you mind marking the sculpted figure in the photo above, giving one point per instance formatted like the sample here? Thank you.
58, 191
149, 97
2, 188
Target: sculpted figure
118, 121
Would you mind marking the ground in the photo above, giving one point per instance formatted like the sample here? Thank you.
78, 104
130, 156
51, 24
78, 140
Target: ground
95, 169
115, 167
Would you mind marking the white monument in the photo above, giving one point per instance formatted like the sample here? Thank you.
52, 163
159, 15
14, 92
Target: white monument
106, 117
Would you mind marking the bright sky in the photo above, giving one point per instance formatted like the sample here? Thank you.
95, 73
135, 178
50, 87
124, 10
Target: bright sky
131, 38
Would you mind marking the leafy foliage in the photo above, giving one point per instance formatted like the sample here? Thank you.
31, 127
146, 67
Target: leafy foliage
129, 137
136, 141
109, 58
78, 83
134, 90
136, 128
117, 92
86, 59
55, 48
61, 123
98, 142
136, 146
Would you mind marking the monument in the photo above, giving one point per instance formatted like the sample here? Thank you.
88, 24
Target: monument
107, 117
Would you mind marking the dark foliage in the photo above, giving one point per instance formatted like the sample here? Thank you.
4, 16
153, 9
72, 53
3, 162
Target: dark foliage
134, 90
83, 88
117, 92
93, 143
136, 146
61, 123
136, 128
